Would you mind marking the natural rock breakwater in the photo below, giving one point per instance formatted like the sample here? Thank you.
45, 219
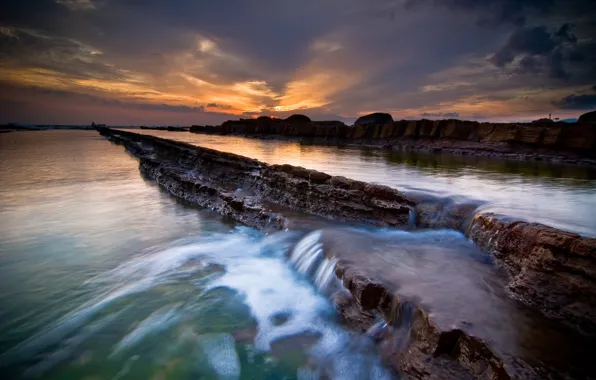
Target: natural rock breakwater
562, 142
212, 179
196, 173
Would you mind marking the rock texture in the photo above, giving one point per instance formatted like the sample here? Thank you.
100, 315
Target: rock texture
565, 142
413, 343
551, 270
211, 178
555, 276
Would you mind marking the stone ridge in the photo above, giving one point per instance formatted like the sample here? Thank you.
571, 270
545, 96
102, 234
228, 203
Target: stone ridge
292, 186
412, 343
566, 142
551, 270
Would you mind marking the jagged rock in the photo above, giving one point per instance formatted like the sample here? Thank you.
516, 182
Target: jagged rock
588, 117
206, 177
298, 119
551, 270
377, 118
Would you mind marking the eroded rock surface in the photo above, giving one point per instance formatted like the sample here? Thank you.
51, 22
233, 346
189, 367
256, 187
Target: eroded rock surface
439, 309
211, 179
551, 270
561, 142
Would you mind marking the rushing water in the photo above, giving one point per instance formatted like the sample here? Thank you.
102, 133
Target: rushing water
103, 276
561, 196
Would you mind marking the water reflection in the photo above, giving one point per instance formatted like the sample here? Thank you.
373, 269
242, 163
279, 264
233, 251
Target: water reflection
561, 196
104, 276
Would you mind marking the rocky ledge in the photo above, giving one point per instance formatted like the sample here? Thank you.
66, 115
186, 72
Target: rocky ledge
240, 187
549, 141
551, 271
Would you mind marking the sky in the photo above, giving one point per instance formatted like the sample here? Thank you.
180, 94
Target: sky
184, 62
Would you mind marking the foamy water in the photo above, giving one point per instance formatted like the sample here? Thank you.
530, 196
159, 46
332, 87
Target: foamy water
255, 267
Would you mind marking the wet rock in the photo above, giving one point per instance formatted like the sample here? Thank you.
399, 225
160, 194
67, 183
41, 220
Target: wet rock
409, 340
551, 270
209, 178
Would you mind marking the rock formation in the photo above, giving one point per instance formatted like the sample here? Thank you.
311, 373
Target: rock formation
194, 173
588, 117
377, 118
298, 119
551, 271
562, 142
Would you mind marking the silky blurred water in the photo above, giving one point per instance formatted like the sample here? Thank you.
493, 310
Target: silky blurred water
560, 196
103, 276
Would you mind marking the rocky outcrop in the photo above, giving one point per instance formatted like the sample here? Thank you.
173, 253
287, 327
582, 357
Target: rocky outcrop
564, 142
298, 119
411, 342
234, 184
551, 270
377, 118
588, 117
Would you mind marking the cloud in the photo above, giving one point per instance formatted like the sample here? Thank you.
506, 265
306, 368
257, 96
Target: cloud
578, 102
221, 106
491, 13
537, 50
446, 115
333, 58
77, 5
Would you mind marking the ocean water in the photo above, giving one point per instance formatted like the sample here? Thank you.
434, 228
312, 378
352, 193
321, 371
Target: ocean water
104, 276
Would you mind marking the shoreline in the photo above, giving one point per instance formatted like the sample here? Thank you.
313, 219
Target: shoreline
532, 253
565, 143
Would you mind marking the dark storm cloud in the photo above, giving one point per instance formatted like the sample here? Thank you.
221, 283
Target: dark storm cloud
390, 57
491, 13
540, 50
578, 102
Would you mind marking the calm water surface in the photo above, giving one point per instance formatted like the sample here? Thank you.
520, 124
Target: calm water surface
102, 276
556, 195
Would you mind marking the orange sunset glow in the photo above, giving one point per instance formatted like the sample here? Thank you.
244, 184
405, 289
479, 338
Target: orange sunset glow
73, 66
